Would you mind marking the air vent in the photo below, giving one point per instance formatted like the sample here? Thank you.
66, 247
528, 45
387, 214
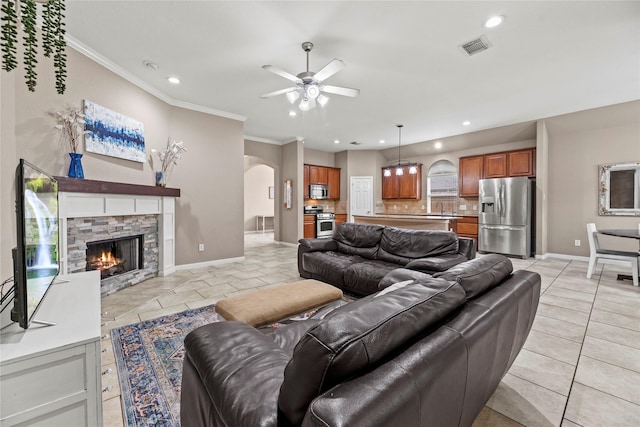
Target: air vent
355, 143
476, 46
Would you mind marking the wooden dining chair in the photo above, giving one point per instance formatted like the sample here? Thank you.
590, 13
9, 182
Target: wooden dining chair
599, 255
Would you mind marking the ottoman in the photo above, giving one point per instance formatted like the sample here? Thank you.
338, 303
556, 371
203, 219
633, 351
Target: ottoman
272, 304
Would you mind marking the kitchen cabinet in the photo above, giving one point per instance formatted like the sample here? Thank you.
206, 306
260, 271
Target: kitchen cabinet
389, 185
340, 218
495, 165
318, 175
470, 171
306, 182
467, 226
405, 186
333, 181
324, 175
522, 163
309, 226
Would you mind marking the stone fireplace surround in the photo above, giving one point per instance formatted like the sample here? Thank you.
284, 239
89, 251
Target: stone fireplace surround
98, 210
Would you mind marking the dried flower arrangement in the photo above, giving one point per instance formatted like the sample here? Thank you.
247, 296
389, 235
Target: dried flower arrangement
169, 156
71, 125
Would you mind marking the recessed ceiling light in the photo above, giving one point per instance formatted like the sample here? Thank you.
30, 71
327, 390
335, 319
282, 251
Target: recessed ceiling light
494, 21
382, 141
438, 145
292, 113
173, 80
336, 141
466, 123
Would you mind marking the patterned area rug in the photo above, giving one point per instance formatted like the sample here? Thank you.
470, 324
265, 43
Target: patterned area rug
149, 359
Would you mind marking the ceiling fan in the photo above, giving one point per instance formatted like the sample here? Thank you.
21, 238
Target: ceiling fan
309, 87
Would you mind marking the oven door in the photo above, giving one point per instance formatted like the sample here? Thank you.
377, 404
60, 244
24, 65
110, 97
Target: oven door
324, 227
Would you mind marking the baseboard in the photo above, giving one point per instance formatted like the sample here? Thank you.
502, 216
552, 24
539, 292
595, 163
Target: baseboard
209, 263
580, 258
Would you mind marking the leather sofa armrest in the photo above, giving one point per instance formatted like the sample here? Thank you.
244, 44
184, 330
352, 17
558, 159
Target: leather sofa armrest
312, 245
241, 369
467, 247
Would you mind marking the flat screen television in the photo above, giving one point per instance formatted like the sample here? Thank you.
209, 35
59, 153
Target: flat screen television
35, 259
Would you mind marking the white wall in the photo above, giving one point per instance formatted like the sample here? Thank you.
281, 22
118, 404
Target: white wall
257, 181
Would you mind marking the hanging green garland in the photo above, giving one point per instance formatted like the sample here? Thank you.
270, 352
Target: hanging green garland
53, 42
9, 35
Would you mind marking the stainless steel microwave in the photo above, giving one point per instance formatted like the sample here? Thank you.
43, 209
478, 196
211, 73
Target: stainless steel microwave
318, 191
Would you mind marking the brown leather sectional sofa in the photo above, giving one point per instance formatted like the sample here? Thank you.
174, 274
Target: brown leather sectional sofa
358, 256
425, 351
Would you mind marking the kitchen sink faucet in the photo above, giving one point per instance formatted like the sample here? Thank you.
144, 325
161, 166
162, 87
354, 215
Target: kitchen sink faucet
441, 207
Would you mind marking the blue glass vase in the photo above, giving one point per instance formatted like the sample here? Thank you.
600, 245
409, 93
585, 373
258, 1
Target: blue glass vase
75, 168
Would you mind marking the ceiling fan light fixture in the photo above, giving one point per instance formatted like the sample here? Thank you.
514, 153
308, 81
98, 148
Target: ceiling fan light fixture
304, 105
322, 100
312, 91
293, 96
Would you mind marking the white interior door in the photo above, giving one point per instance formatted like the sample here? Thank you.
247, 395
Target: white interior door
360, 196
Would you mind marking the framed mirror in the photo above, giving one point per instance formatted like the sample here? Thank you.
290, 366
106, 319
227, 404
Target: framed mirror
619, 189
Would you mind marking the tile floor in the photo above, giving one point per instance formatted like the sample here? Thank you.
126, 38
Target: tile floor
580, 365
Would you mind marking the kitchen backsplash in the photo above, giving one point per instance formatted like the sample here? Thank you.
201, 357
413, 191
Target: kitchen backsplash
447, 205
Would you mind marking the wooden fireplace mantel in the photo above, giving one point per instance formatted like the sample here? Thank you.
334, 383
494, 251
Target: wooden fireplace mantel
75, 185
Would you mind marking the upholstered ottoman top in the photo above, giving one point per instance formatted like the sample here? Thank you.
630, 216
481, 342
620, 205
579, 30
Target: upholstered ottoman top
269, 305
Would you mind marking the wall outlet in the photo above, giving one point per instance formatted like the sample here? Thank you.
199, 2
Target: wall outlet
463, 207
422, 207
475, 207
201, 247
395, 207
577, 243
406, 206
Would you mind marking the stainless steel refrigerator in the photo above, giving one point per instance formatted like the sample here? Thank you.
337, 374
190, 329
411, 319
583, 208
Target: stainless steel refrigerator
505, 220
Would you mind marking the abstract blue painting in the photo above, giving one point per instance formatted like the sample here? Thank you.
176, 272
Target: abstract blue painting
113, 134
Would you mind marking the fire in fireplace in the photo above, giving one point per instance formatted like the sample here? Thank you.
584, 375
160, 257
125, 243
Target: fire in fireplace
115, 256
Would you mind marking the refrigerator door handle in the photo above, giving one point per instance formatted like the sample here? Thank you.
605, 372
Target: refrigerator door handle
502, 208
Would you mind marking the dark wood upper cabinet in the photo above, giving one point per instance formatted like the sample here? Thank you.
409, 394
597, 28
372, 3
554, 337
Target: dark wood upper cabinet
495, 165
318, 175
521, 163
306, 182
322, 175
390, 185
470, 171
405, 186
333, 181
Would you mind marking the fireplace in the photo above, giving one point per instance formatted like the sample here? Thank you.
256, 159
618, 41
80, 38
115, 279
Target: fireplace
116, 256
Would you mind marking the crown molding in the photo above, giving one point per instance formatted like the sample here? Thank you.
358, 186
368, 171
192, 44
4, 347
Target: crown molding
265, 140
116, 69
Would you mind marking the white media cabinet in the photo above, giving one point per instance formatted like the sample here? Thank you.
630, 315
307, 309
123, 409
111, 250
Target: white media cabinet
50, 375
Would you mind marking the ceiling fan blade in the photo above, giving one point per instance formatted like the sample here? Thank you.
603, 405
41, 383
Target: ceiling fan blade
282, 73
344, 91
279, 92
329, 70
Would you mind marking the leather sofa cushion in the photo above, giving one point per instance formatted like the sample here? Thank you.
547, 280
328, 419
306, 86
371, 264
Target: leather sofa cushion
402, 246
356, 337
329, 265
434, 264
400, 275
363, 278
479, 275
358, 239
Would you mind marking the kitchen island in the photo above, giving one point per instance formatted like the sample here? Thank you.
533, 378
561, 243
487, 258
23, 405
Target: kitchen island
412, 222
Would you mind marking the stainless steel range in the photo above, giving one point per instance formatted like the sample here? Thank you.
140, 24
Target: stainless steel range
325, 221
